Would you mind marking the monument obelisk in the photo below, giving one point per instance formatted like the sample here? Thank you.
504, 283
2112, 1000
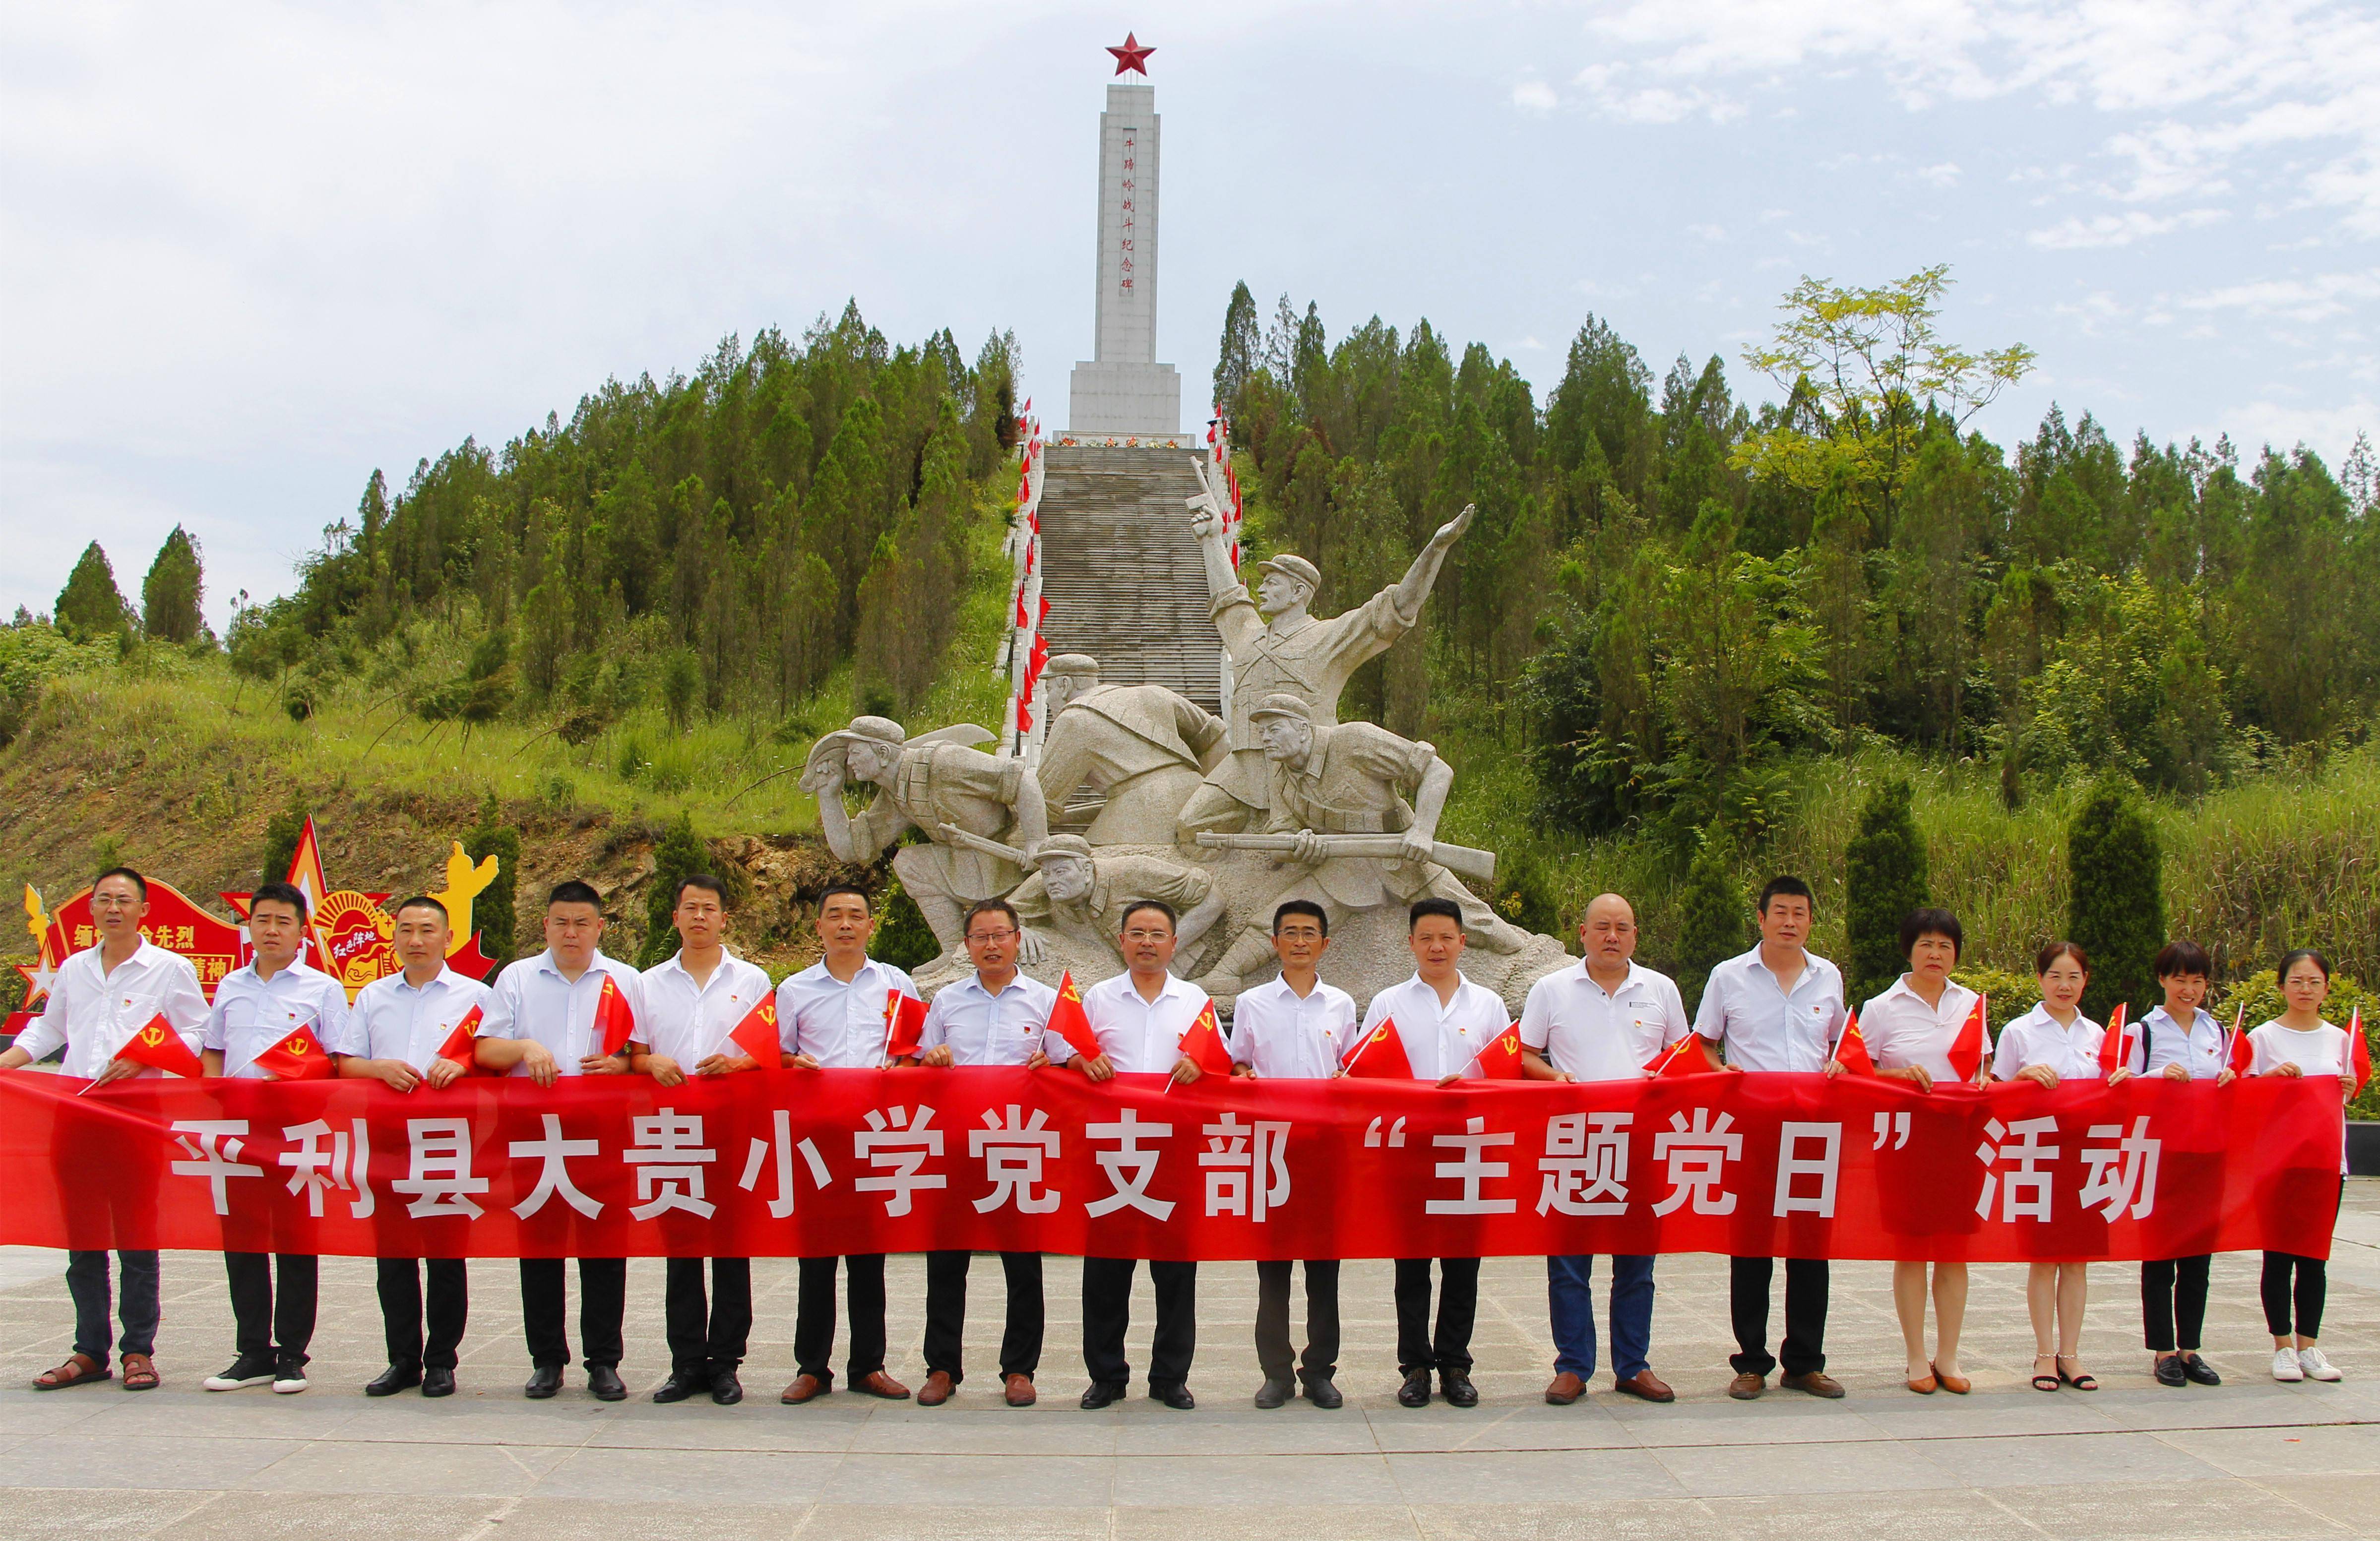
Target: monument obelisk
1123, 392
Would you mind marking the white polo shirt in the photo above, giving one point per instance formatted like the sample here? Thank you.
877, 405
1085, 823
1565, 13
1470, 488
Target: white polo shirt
1901, 1030
252, 1014
689, 1022
985, 1028
1283, 1036
1141, 1037
2035, 1039
1767, 1027
1589, 1034
392, 1020
1440, 1039
533, 1000
840, 1026
2198, 1048
92, 1014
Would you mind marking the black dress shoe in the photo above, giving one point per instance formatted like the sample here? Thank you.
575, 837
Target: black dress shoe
1458, 1389
681, 1385
1414, 1392
395, 1378
2199, 1372
1273, 1393
1100, 1394
543, 1382
725, 1389
1322, 1393
2169, 1371
1175, 1397
437, 1383
605, 1382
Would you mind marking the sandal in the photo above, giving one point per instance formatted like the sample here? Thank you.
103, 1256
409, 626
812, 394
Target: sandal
2045, 1382
2079, 1381
78, 1369
140, 1373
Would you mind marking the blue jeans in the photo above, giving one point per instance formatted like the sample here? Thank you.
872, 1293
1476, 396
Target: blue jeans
1573, 1313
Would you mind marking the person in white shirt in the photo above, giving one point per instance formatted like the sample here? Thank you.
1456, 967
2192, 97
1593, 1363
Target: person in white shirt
2181, 1041
694, 999
255, 1009
832, 1017
1777, 1009
2056, 1042
400, 1023
994, 1016
1295, 1027
101, 996
1443, 1021
1139, 1017
2299, 1042
1606, 1018
1909, 1030
541, 1026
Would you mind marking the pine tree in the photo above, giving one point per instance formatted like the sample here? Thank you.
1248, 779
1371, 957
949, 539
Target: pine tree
170, 595
2117, 908
91, 605
680, 855
1242, 351
903, 939
281, 833
1884, 870
494, 911
1712, 910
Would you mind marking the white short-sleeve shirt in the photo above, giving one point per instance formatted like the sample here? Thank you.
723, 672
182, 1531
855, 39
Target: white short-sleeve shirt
1281, 1034
92, 1014
533, 1000
252, 1014
1439, 1038
392, 1020
839, 1024
1901, 1030
689, 1022
987, 1027
1766, 1027
2035, 1039
2198, 1048
1590, 1034
1141, 1037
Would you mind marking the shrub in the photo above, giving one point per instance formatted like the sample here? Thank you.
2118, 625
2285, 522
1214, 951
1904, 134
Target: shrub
2117, 905
495, 914
1711, 924
1884, 872
680, 854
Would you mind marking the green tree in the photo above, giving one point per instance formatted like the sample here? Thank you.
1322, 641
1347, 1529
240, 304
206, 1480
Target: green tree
2117, 907
1238, 358
1713, 923
495, 912
170, 594
1883, 877
680, 855
903, 939
91, 605
283, 830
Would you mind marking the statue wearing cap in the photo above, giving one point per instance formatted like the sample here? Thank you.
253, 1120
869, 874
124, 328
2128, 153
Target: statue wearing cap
1144, 747
1081, 891
1291, 652
926, 782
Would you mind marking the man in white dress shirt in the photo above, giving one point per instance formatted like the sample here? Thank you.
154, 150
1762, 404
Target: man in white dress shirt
256, 1007
541, 1026
831, 1016
1605, 1018
1777, 1009
1139, 1017
400, 1023
1443, 1020
694, 999
994, 1016
101, 996
1295, 1027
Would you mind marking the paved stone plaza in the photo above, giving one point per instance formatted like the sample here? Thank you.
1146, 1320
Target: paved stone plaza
2251, 1459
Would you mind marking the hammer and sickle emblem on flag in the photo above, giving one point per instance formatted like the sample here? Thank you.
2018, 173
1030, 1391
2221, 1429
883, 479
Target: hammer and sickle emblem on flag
152, 1035
297, 1048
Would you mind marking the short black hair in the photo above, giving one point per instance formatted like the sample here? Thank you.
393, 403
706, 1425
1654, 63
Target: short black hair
1172, 921
833, 888
572, 891
2056, 950
1783, 885
1936, 923
703, 881
2183, 957
135, 878
1301, 906
1424, 908
989, 906
422, 901
2291, 959
281, 893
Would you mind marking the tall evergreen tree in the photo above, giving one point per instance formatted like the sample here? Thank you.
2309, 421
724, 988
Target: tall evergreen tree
1884, 874
680, 855
1713, 917
170, 595
494, 914
91, 605
2117, 907
1242, 347
283, 830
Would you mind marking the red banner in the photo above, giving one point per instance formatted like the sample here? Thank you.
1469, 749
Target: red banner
774, 1163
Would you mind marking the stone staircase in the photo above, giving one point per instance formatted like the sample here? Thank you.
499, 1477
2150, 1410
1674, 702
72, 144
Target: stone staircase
1122, 571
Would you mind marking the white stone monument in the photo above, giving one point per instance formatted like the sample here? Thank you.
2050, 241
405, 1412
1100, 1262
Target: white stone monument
1123, 392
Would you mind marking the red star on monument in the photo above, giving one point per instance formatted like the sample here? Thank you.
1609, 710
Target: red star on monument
1131, 55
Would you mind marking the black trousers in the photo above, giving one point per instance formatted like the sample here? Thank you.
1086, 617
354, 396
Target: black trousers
602, 1298
2173, 1301
707, 1336
946, 1292
1274, 1350
263, 1326
1448, 1347
86, 1283
814, 1315
1805, 1348
2290, 1281
402, 1307
1107, 1313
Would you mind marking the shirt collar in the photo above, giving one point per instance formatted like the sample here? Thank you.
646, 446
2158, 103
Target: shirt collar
440, 978
818, 972
975, 982
1635, 970
599, 963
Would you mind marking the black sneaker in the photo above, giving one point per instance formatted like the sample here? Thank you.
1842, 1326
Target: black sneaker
1414, 1392
248, 1369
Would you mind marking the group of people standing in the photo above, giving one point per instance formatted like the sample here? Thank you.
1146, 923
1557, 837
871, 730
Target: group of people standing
1777, 1008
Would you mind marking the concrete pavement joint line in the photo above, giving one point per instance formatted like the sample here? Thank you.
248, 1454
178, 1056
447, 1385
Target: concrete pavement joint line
2268, 1489
164, 1525
488, 1522
2011, 1511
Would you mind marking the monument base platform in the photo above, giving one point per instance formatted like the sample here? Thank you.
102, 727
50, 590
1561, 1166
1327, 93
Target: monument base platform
1123, 401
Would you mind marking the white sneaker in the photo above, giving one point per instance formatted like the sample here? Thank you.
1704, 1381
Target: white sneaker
2286, 1365
2310, 1360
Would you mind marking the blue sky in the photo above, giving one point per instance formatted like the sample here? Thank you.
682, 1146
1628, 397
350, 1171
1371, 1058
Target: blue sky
249, 252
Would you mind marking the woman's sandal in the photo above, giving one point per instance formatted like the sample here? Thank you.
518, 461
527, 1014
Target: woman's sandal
1957, 1385
2045, 1382
140, 1373
78, 1369
2080, 1382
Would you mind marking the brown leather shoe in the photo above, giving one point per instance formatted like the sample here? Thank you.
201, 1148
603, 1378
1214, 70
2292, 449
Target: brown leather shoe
1745, 1387
935, 1391
1565, 1389
804, 1388
882, 1385
1645, 1384
1817, 1383
1021, 1392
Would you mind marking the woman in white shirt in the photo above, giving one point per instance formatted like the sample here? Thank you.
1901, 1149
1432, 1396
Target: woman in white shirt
2056, 1042
2299, 1042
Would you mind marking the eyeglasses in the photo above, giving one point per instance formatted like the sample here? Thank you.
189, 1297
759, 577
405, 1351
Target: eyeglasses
973, 936
1148, 936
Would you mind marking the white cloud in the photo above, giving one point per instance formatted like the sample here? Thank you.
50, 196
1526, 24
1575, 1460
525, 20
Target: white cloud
2301, 299
2326, 430
1944, 174
1535, 96
1707, 232
2119, 229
